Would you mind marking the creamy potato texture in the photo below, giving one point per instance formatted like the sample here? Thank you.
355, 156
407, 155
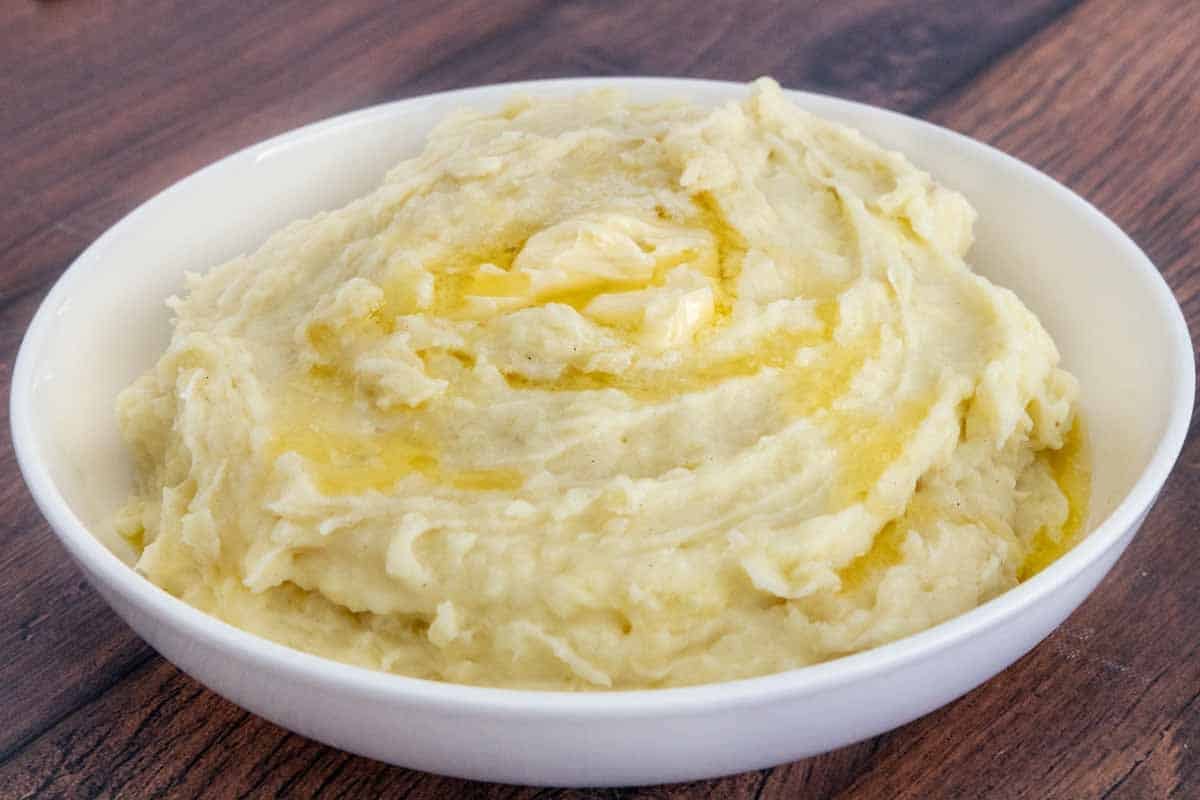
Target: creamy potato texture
600, 395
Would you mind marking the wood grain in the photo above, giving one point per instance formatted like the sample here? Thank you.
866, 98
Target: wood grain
60, 644
105, 103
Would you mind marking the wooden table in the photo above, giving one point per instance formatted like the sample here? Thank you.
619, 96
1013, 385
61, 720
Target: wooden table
104, 103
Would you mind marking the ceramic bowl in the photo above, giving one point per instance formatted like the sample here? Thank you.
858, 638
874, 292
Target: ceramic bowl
1117, 323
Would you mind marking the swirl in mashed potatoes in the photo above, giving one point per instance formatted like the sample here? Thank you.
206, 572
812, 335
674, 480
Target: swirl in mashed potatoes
592, 394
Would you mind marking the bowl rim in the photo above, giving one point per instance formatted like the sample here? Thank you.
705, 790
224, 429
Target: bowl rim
107, 570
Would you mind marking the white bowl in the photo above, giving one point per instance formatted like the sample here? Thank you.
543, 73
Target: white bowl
104, 322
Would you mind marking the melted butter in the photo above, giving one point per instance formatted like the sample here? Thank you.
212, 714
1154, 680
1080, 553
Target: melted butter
455, 290
821, 381
136, 538
342, 462
457, 278
1070, 465
884, 552
328, 343
869, 444
584, 290
816, 385
731, 252
461, 277
483, 480
1072, 473
492, 284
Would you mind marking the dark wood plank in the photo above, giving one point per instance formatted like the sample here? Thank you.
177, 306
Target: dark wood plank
234, 73
60, 643
897, 53
120, 102
169, 737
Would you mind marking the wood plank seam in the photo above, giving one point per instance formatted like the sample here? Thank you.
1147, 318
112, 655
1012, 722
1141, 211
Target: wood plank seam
99, 691
496, 37
1025, 38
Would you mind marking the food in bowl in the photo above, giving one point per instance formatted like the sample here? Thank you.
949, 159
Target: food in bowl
592, 394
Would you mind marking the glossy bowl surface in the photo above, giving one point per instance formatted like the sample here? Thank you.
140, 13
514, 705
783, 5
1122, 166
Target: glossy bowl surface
1117, 323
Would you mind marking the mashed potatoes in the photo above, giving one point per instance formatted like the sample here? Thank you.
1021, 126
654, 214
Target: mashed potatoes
600, 395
